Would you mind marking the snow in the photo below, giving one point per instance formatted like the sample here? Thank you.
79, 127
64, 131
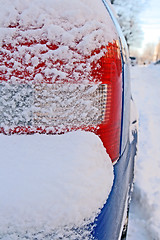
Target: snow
52, 185
144, 220
50, 106
53, 33
53, 41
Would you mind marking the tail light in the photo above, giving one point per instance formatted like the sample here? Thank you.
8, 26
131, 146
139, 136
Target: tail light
110, 129
32, 103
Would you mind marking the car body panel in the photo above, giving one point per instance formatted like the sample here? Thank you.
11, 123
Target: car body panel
126, 88
109, 224
110, 221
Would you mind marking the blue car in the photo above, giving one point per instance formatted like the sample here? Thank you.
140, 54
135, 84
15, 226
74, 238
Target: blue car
65, 67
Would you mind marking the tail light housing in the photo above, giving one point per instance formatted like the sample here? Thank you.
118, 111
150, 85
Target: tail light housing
111, 76
32, 103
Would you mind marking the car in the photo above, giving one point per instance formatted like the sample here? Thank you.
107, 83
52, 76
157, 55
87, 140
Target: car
65, 68
133, 61
157, 62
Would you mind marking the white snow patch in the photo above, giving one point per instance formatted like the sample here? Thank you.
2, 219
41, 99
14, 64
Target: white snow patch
52, 184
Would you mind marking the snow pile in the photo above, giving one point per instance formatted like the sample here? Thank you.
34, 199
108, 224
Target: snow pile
145, 212
52, 186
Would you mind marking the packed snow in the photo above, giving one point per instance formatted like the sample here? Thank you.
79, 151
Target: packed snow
52, 185
144, 218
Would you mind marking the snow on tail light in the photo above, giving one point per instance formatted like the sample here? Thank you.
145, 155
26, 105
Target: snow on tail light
30, 105
68, 106
50, 108
62, 71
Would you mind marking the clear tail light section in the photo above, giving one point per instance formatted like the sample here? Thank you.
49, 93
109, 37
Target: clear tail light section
31, 106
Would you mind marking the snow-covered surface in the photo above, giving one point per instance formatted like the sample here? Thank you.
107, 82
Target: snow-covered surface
60, 34
50, 185
51, 106
53, 41
144, 220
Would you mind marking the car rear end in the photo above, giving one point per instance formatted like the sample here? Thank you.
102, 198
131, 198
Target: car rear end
65, 71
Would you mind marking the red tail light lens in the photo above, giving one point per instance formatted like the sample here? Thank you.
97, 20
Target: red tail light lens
111, 75
31, 102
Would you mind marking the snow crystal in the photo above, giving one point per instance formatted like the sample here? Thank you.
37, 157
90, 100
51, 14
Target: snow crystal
52, 185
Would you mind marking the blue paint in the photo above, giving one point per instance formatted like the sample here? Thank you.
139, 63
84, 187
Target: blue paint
109, 221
